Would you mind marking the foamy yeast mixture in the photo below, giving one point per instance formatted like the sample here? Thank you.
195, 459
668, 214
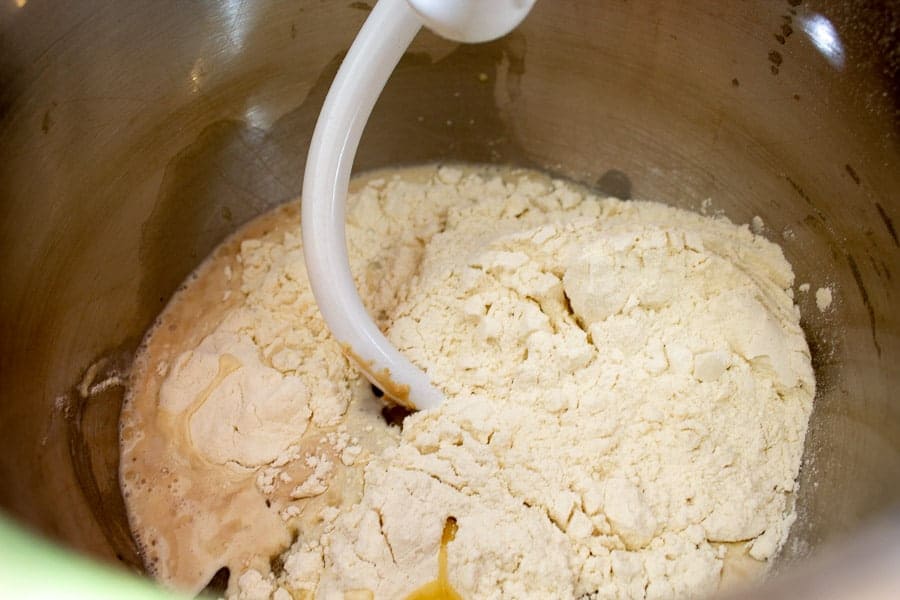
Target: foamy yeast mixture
627, 384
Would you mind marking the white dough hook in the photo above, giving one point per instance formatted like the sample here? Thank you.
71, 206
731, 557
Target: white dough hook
384, 37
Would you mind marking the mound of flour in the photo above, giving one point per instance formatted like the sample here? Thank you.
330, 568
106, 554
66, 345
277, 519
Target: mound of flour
628, 390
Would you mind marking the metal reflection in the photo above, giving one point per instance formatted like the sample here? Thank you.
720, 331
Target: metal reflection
825, 38
197, 73
257, 116
236, 20
233, 21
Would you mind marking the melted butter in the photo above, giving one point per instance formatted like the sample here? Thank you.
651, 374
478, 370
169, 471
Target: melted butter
440, 588
228, 364
180, 423
398, 392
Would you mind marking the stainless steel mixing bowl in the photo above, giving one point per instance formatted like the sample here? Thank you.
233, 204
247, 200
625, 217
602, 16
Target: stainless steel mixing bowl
136, 135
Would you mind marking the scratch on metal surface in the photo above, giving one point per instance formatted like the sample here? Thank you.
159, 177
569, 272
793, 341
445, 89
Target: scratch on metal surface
865, 299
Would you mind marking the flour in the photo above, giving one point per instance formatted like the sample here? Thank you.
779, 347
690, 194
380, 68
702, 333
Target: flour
316, 483
627, 385
757, 225
244, 412
824, 298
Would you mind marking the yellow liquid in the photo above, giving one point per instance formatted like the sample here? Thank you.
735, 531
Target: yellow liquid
440, 588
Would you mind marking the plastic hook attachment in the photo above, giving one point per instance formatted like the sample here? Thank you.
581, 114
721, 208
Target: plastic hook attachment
384, 37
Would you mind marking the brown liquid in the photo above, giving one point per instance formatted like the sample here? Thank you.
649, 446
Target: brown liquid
739, 569
397, 392
440, 588
191, 517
